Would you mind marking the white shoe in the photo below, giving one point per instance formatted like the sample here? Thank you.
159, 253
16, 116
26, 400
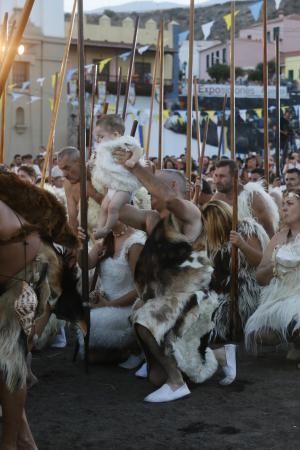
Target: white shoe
60, 340
142, 372
132, 362
230, 368
166, 394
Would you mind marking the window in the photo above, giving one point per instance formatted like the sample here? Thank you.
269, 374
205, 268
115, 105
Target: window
212, 58
224, 55
207, 61
276, 32
217, 57
142, 72
268, 36
20, 117
249, 36
291, 75
20, 72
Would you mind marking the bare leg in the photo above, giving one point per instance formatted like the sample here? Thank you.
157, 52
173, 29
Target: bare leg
163, 362
25, 438
102, 217
14, 419
119, 199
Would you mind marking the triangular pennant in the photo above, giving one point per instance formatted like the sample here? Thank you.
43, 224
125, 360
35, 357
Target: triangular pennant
255, 9
70, 74
277, 3
89, 67
143, 49
33, 99
182, 37
25, 85
15, 96
258, 112
11, 86
227, 19
103, 63
40, 81
125, 56
206, 29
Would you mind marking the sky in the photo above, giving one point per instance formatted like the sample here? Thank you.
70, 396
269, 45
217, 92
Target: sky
94, 4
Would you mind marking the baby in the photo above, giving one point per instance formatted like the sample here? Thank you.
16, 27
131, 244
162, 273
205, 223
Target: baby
116, 178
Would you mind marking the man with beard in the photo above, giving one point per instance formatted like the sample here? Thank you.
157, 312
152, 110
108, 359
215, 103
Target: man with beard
253, 201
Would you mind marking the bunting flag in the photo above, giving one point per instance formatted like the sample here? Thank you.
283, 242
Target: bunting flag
25, 85
143, 49
256, 9
125, 56
103, 63
40, 81
258, 112
11, 86
70, 74
15, 96
277, 3
243, 114
51, 102
53, 78
89, 67
227, 19
206, 29
182, 37
33, 99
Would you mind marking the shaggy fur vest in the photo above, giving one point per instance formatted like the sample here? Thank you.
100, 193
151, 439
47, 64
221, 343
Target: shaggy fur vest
172, 281
248, 288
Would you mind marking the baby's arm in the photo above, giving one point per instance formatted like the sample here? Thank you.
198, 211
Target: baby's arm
135, 156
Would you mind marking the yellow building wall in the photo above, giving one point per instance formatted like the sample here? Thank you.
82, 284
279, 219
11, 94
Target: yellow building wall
292, 63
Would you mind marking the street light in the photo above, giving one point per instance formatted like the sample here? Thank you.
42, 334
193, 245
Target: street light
21, 50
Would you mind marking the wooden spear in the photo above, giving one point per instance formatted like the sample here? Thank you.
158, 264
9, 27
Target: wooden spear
94, 89
3, 40
197, 124
119, 89
53, 141
131, 66
55, 110
234, 251
83, 176
14, 44
154, 76
161, 97
221, 142
134, 128
203, 148
265, 81
190, 94
277, 153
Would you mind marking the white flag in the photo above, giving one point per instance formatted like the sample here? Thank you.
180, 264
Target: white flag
277, 3
243, 114
33, 99
142, 50
206, 28
25, 85
15, 96
89, 67
40, 81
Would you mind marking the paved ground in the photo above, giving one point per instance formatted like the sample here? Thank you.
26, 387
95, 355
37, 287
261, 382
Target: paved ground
104, 410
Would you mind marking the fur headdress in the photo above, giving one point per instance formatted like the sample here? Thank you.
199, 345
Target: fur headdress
43, 212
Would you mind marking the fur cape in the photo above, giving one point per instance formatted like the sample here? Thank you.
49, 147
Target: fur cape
245, 202
106, 172
248, 288
172, 280
279, 304
43, 212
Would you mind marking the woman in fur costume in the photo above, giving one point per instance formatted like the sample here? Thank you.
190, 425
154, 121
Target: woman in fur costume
219, 237
119, 182
278, 315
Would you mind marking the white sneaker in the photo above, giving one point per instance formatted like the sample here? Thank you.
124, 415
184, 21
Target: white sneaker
166, 394
142, 372
230, 368
132, 362
60, 340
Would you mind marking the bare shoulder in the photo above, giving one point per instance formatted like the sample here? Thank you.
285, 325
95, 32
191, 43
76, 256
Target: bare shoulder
152, 219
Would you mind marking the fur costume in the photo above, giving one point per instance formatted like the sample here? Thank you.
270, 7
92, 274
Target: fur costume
279, 306
245, 202
106, 172
13, 341
172, 280
248, 288
45, 214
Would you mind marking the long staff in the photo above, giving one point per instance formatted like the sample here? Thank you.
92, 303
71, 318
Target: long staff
3, 40
265, 81
277, 152
161, 95
130, 70
221, 142
154, 76
190, 93
14, 44
197, 124
55, 110
234, 251
94, 88
83, 177
119, 88
53, 140
203, 148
